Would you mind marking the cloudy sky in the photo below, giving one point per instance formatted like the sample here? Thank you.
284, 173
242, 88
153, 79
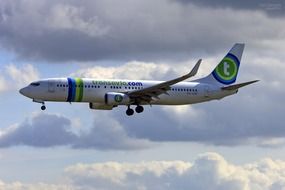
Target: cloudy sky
236, 143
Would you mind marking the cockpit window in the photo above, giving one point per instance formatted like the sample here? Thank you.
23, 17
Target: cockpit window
35, 84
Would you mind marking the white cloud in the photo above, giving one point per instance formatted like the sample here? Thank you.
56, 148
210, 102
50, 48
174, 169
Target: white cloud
129, 70
208, 171
14, 77
21, 75
3, 85
145, 70
25, 186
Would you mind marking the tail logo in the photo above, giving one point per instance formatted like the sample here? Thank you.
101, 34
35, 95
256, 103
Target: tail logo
226, 71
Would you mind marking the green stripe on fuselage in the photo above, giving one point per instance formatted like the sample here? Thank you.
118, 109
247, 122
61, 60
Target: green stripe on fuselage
79, 89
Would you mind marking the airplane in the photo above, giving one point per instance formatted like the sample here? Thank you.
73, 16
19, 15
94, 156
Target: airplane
105, 94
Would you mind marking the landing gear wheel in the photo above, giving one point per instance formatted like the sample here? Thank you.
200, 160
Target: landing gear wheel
130, 112
43, 107
139, 109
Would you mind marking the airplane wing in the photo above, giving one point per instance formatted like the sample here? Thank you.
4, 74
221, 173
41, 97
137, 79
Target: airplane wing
147, 94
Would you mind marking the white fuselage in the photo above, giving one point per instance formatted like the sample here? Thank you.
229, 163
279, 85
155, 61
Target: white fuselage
94, 90
106, 94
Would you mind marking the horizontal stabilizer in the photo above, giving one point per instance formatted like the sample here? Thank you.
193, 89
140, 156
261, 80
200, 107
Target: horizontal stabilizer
237, 86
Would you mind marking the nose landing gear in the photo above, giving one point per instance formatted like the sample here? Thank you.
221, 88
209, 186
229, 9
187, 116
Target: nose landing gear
43, 107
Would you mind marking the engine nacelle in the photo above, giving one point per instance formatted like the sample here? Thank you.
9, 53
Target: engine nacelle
99, 106
116, 98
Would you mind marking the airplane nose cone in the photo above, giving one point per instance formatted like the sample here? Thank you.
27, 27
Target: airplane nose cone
23, 91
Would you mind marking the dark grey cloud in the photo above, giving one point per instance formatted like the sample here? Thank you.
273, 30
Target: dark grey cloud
61, 31
46, 130
247, 118
271, 7
108, 133
42, 131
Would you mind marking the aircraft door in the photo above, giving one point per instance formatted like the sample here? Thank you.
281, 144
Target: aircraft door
206, 91
51, 86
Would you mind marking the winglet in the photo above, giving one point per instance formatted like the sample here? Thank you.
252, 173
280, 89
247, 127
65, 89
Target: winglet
237, 86
194, 71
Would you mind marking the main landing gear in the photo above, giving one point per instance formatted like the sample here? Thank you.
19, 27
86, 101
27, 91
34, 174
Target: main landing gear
139, 109
130, 111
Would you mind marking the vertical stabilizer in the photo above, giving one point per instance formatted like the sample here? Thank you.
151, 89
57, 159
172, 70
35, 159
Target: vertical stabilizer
226, 71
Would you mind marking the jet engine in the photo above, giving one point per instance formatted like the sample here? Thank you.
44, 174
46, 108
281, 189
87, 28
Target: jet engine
116, 98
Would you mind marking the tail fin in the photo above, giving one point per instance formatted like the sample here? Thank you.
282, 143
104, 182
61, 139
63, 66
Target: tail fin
226, 71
